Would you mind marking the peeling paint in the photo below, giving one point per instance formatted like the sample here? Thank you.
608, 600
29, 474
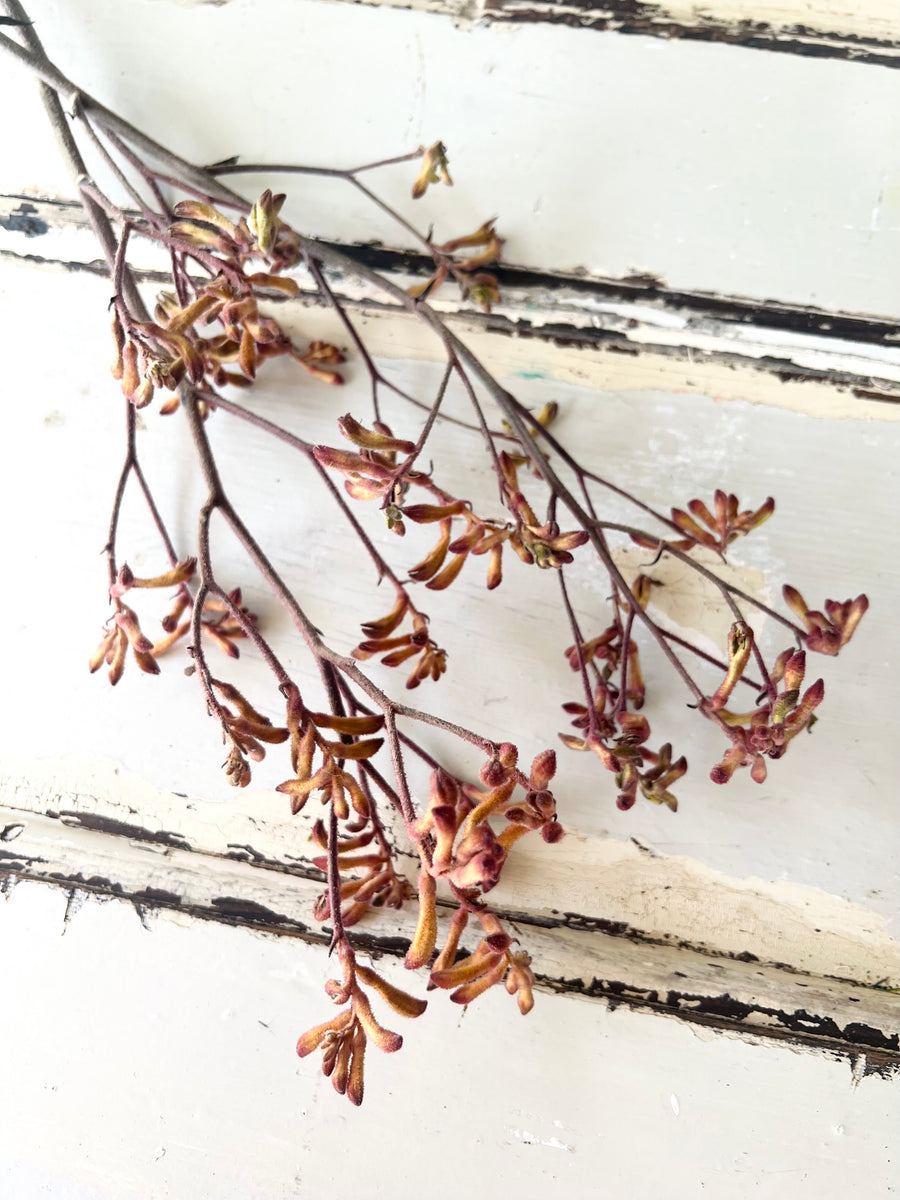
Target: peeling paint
74, 901
24, 219
573, 953
531, 1139
633, 332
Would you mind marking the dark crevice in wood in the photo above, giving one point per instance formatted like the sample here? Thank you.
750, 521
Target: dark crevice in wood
865, 387
652, 20
649, 290
643, 289
862, 1045
577, 922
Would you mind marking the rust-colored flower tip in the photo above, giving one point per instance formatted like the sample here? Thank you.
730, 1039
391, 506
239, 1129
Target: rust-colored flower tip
740, 647
484, 290
768, 731
543, 768
182, 572
425, 937
828, 632
434, 170
485, 235
263, 220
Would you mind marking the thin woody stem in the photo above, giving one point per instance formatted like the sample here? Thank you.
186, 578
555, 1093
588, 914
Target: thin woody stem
306, 448
374, 374
407, 807
151, 504
149, 216
127, 468
135, 160
622, 701
725, 588
349, 176
582, 474
579, 652
239, 168
252, 633
332, 687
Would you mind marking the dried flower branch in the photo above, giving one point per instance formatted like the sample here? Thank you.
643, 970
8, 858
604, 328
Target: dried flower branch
352, 746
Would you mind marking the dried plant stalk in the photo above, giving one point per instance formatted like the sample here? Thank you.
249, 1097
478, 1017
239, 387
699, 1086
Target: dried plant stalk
352, 746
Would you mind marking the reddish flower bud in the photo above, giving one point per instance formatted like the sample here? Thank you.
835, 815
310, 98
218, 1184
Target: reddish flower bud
552, 832
543, 768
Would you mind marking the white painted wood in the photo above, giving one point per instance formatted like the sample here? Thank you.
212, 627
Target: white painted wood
656, 345
160, 1064
837, 534
872, 19
713, 167
787, 18
154, 1057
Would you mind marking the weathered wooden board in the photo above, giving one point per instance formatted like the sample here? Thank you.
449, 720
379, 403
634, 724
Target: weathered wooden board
608, 334
707, 240
160, 1063
867, 32
713, 168
755, 855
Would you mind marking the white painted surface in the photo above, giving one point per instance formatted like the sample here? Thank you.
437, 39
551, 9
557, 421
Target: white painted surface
137, 1062
714, 167
142, 1065
797, 19
836, 532
660, 346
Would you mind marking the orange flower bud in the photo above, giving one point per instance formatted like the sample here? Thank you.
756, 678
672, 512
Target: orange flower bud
401, 1002
422, 946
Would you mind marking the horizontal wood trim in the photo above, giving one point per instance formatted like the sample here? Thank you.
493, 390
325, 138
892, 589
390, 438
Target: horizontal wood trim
628, 334
91, 830
572, 954
866, 33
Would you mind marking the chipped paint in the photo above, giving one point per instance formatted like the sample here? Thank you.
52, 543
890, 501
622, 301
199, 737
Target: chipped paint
531, 1139
627, 334
683, 962
825, 28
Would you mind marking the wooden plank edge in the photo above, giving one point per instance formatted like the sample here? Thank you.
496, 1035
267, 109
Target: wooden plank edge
824, 32
765, 1002
588, 357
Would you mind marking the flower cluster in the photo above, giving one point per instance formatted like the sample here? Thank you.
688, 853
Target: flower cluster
454, 260
766, 731
372, 472
614, 653
493, 961
432, 660
435, 169
244, 731
343, 1039
617, 737
124, 631
337, 785
615, 734
376, 884
457, 843
830, 631
172, 349
722, 527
